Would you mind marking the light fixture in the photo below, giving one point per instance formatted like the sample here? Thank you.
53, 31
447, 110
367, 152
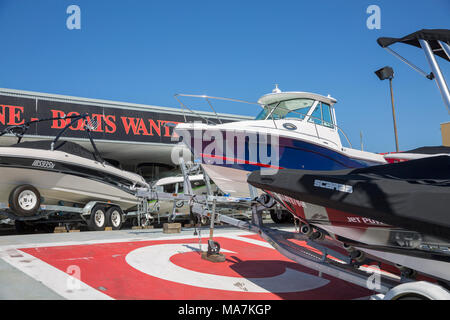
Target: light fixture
383, 74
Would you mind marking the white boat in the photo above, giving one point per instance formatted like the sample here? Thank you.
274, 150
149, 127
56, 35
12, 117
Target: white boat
396, 213
295, 130
55, 172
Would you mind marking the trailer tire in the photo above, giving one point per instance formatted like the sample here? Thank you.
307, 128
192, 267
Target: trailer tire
412, 296
114, 218
98, 219
280, 216
24, 200
275, 217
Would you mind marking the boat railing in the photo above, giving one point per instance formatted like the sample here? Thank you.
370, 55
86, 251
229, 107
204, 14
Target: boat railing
207, 98
185, 107
20, 130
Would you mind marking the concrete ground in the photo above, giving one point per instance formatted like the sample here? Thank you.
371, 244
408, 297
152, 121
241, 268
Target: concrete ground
148, 264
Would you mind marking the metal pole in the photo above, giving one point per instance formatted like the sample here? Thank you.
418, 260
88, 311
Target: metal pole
212, 221
440, 80
393, 115
416, 68
445, 47
361, 137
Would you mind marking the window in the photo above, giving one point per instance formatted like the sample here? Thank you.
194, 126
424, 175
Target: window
296, 108
169, 188
326, 116
264, 113
322, 115
316, 116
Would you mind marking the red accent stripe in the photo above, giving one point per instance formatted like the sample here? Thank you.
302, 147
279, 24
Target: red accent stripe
239, 161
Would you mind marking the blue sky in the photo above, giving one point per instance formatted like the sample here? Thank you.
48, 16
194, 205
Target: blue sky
145, 51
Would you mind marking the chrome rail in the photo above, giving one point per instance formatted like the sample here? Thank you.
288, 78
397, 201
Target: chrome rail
439, 77
409, 63
183, 106
445, 47
436, 73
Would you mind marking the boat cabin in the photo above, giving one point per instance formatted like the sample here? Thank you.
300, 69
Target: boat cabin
298, 106
303, 113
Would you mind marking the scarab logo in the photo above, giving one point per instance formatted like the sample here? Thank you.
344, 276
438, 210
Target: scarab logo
333, 186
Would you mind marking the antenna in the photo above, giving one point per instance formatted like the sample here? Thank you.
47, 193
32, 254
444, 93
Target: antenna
276, 90
361, 138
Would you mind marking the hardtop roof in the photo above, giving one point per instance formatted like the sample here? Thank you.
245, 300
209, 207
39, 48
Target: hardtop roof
282, 96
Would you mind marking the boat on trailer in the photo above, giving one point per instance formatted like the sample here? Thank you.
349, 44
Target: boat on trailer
56, 173
389, 212
295, 130
396, 213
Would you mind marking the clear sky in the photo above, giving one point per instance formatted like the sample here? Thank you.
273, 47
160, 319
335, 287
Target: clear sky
145, 51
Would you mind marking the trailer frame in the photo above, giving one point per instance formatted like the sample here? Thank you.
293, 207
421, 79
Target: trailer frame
45, 211
321, 257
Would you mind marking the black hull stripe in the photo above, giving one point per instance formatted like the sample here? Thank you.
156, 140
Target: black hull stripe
70, 169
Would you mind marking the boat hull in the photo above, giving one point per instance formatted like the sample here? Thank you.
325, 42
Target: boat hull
55, 187
228, 161
381, 241
347, 226
394, 212
230, 180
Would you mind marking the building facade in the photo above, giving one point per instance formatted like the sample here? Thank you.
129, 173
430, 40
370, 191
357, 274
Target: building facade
135, 136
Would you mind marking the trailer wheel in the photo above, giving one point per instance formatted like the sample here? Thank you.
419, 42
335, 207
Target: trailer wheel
412, 296
418, 290
276, 216
25, 200
306, 229
97, 220
280, 216
114, 218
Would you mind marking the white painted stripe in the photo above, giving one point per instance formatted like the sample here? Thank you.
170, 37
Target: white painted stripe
119, 240
155, 261
60, 282
249, 240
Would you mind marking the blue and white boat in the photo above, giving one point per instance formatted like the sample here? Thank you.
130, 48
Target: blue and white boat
295, 130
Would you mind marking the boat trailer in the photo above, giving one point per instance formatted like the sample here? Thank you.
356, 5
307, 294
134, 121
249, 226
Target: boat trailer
314, 253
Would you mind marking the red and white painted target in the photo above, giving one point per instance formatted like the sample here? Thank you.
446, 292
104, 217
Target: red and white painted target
172, 269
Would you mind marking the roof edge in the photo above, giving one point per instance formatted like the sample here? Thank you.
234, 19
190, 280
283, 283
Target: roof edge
108, 103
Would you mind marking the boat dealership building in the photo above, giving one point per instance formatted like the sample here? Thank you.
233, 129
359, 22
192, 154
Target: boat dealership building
136, 136
445, 131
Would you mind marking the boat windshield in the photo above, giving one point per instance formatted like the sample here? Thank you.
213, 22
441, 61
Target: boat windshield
296, 108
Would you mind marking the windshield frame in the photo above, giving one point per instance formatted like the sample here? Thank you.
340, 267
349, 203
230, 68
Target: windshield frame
272, 111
